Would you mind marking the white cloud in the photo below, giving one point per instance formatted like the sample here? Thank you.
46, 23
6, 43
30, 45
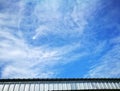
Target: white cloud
26, 60
40, 31
109, 63
72, 22
21, 57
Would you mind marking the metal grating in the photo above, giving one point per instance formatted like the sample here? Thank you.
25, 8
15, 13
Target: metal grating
58, 84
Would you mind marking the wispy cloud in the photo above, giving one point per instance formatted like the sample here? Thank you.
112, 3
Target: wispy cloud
26, 60
109, 64
36, 36
107, 32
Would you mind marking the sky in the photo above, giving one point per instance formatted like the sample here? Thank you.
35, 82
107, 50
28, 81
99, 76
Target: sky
59, 38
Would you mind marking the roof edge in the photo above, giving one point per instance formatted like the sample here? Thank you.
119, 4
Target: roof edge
59, 79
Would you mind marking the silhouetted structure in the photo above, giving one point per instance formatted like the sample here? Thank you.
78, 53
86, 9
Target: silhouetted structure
60, 84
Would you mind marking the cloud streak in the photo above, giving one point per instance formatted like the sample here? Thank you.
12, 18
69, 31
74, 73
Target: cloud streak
25, 59
21, 57
109, 63
36, 37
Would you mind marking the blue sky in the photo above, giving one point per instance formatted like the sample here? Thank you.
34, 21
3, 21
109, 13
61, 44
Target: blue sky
59, 38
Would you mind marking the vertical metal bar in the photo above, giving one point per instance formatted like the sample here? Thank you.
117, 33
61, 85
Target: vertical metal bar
34, 86
57, 86
102, 86
109, 85
24, 86
66, 85
14, 87
75, 85
119, 84
3, 86
94, 85
113, 85
53, 86
9, 86
39, 86
29, 86
48, 86
116, 84
106, 87
19, 86
43, 87
98, 85
90, 85
82, 85
87, 85
6, 87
